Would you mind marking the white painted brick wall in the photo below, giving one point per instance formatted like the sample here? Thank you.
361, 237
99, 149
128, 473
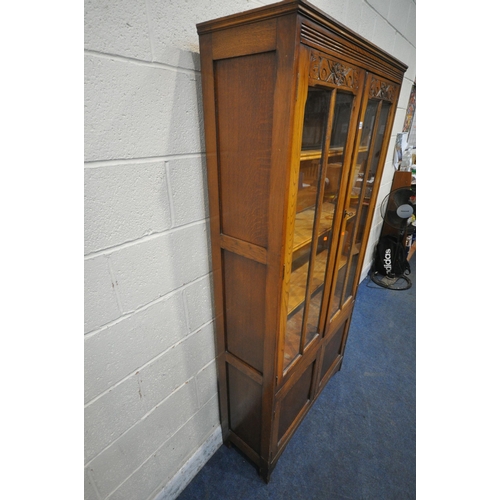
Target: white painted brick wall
199, 302
124, 203
120, 349
101, 302
118, 27
152, 268
150, 377
113, 466
164, 463
188, 183
114, 411
129, 111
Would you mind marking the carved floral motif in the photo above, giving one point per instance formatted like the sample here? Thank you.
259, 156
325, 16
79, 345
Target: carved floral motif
382, 90
331, 71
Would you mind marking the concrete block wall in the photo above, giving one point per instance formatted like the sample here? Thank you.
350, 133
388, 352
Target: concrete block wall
151, 415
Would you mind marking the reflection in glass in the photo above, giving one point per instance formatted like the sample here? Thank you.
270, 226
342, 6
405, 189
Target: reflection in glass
315, 117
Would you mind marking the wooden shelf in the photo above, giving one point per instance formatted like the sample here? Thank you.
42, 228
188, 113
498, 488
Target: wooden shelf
298, 281
303, 233
304, 225
351, 213
314, 154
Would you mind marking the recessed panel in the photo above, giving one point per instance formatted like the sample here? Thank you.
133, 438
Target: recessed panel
332, 350
244, 98
295, 400
245, 407
244, 295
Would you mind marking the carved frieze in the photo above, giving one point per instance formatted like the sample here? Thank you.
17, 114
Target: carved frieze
328, 70
382, 90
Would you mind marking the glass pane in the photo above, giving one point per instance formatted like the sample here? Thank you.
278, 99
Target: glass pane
347, 243
341, 120
340, 127
339, 284
362, 156
375, 160
367, 190
315, 117
308, 187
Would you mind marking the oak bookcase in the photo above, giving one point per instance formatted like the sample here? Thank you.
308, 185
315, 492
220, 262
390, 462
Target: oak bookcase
298, 112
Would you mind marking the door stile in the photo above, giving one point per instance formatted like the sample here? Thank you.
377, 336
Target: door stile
298, 105
283, 153
209, 111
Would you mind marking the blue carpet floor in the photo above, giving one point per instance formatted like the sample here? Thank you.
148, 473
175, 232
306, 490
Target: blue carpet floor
358, 441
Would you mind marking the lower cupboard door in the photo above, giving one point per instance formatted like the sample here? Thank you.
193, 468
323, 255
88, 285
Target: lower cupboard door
332, 352
292, 407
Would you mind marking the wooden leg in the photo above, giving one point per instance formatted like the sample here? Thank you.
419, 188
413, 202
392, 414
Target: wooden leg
265, 474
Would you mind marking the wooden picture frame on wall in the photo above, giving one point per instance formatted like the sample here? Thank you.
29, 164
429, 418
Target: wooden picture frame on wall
410, 110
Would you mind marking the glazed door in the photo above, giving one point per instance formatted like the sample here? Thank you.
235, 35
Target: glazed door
329, 123
367, 165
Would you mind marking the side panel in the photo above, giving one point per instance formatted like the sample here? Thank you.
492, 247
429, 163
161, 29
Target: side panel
249, 95
244, 285
244, 97
245, 407
244, 69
